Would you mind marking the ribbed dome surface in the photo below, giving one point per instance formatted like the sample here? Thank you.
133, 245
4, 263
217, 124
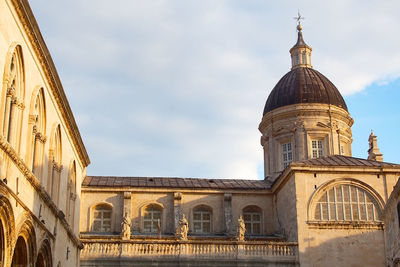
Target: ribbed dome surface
303, 85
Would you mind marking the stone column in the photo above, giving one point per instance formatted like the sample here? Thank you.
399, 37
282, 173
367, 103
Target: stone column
127, 203
177, 208
301, 144
228, 213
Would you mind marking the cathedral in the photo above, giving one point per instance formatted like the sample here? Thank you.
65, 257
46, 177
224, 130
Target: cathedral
316, 206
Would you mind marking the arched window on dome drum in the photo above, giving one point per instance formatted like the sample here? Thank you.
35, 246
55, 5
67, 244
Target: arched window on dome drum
252, 216
152, 218
202, 218
102, 218
347, 203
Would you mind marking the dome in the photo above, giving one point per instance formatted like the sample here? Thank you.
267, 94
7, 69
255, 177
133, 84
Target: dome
303, 85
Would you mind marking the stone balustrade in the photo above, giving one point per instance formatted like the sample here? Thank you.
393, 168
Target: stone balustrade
247, 250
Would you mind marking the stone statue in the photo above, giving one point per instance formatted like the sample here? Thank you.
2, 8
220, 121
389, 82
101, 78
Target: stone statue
183, 228
126, 227
241, 230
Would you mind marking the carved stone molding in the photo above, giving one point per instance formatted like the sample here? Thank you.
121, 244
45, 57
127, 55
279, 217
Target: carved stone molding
31, 178
345, 225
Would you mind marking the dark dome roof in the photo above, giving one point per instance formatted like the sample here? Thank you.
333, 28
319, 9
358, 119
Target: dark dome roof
303, 85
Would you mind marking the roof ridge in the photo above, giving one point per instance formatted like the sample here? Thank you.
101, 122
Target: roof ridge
347, 157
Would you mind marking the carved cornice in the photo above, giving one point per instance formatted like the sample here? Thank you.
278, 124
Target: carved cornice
345, 225
31, 178
31, 28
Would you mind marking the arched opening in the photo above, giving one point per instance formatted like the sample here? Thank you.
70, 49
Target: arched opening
2, 245
7, 228
44, 256
202, 219
13, 96
40, 262
346, 202
37, 122
71, 195
56, 165
252, 216
20, 257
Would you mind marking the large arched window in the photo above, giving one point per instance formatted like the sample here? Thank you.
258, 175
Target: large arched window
202, 219
2, 244
20, 257
71, 195
13, 97
55, 165
252, 216
37, 121
346, 202
152, 218
102, 218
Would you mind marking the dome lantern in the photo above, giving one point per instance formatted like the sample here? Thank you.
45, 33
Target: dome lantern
300, 52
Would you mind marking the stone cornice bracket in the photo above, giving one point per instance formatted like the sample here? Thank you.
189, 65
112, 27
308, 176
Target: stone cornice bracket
127, 195
177, 195
264, 139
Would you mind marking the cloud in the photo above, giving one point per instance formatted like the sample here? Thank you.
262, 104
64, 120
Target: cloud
177, 88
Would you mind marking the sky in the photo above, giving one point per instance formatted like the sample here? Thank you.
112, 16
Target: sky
176, 88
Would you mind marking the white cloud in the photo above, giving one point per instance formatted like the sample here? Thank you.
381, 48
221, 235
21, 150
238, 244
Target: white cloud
177, 88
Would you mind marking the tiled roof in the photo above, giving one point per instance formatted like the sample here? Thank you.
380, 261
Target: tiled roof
338, 160
168, 182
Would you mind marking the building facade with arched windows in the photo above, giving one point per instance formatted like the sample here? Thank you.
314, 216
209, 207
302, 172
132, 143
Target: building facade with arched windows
42, 157
317, 206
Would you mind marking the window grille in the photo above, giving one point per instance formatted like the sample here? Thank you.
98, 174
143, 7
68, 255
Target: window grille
202, 221
317, 148
347, 203
102, 219
287, 154
152, 219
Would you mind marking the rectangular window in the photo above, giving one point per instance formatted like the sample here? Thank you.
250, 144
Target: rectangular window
202, 221
252, 220
151, 221
341, 150
287, 154
317, 148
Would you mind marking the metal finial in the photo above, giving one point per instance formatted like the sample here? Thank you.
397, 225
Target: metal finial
299, 18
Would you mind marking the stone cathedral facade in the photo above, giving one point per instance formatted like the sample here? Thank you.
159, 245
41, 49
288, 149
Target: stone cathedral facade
317, 206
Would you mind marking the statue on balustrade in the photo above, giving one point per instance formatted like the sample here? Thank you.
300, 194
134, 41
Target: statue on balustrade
126, 227
241, 230
183, 228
